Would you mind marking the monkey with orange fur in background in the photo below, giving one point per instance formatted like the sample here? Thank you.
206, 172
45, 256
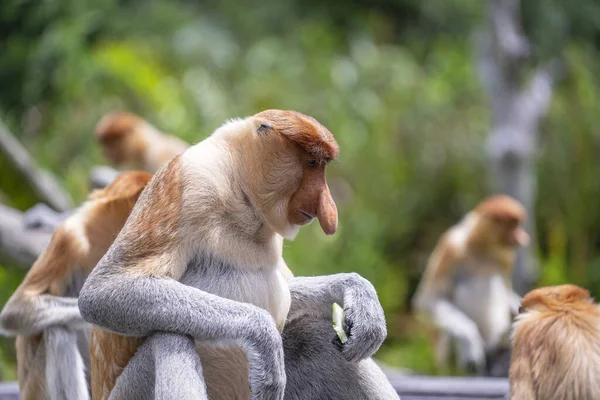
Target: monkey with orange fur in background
129, 141
556, 346
52, 338
466, 288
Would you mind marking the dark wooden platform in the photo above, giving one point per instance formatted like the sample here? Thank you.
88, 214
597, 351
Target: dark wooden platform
410, 387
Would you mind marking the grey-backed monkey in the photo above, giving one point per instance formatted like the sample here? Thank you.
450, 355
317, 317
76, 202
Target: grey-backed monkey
192, 293
129, 141
52, 338
556, 346
466, 288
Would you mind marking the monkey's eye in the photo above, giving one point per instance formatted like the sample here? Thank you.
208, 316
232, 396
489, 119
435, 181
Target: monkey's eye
312, 162
263, 128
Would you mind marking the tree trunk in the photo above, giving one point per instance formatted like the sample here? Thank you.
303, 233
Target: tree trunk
517, 109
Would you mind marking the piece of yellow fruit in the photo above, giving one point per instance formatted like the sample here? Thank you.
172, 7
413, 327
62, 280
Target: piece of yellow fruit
337, 316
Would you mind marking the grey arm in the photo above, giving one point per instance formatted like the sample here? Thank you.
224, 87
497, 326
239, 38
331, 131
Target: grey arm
452, 320
32, 315
43, 217
364, 317
165, 367
65, 368
138, 305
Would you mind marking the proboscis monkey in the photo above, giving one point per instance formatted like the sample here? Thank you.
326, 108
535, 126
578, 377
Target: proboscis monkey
194, 284
128, 140
466, 288
52, 338
556, 346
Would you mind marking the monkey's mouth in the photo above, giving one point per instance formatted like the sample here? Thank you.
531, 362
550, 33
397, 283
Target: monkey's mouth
305, 216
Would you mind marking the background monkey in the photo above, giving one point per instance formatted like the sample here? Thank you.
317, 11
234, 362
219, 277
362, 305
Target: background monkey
128, 140
556, 346
201, 257
466, 288
53, 340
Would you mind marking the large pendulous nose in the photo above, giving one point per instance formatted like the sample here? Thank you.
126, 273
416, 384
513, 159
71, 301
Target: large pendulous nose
327, 212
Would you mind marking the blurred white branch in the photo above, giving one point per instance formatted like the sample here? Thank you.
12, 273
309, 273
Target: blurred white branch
19, 245
517, 110
42, 183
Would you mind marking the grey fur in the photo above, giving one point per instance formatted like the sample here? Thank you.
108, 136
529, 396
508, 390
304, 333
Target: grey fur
315, 367
137, 379
43, 217
364, 316
64, 354
65, 368
151, 304
165, 367
32, 315
178, 368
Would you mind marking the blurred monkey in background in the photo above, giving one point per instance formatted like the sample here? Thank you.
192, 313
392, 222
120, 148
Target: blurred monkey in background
556, 346
128, 141
466, 289
52, 339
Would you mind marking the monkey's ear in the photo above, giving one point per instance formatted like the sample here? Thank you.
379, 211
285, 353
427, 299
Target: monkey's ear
263, 128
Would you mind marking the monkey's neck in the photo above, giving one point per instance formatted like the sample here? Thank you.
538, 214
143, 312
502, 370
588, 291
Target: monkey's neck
149, 149
227, 219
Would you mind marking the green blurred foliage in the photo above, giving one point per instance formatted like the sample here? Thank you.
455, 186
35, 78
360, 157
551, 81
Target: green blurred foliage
395, 81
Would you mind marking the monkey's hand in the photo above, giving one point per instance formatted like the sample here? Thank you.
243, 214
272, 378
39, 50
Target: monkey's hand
30, 315
265, 358
364, 320
471, 356
43, 217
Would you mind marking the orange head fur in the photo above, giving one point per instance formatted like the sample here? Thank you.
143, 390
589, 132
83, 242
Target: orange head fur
117, 124
501, 220
502, 207
556, 298
305, 131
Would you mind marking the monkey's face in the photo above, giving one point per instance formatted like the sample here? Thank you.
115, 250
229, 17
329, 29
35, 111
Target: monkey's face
510, 232
293, 191
121, 150
312, 197
294, 150
113, 150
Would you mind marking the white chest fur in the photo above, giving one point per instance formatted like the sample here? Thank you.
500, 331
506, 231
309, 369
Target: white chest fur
263, 287
224, 365
485, 299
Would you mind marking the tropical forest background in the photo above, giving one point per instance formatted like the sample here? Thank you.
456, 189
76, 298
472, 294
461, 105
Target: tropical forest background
396, 81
